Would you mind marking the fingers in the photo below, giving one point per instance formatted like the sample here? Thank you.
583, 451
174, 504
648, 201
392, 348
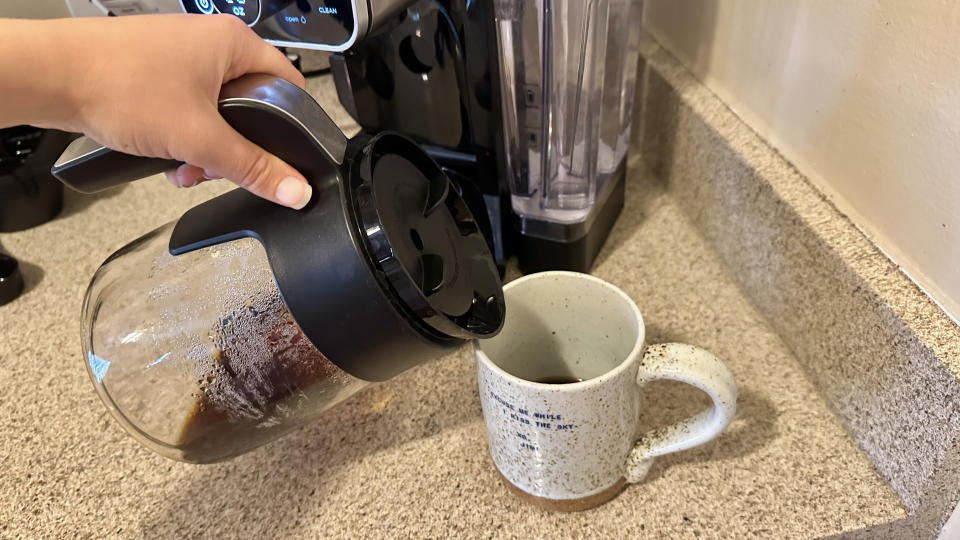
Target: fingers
254, 55
186, 175
227, 154
215, 150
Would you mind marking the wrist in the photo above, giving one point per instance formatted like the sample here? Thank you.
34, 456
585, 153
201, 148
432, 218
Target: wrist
39, 72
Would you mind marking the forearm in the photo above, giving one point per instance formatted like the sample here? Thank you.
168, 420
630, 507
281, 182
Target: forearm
39, 63
147, 85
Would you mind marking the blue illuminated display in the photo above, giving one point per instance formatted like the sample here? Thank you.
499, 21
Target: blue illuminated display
312, 24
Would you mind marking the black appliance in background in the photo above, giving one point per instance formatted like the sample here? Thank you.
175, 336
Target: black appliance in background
29, 194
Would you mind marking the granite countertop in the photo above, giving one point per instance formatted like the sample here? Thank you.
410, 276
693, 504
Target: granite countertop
409, 457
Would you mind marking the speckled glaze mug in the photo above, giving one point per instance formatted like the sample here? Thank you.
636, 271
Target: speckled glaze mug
574, 445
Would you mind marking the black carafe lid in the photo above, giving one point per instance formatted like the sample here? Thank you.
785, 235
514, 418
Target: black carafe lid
383, 269
425, 241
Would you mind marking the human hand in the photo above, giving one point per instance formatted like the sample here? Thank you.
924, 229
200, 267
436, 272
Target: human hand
149, 85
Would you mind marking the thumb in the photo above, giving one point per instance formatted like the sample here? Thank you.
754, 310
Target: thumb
227, 154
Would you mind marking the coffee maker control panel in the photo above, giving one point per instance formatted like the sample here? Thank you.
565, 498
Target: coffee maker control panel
325, 25
328, 25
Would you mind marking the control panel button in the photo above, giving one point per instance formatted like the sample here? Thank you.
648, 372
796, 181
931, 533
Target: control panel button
204, 6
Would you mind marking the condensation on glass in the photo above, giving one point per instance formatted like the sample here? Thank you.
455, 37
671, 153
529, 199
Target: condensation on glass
196, 355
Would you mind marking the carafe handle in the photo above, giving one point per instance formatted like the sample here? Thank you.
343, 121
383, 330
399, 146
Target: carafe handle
89, 167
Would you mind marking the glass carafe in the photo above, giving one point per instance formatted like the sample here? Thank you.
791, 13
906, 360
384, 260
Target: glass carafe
197, 354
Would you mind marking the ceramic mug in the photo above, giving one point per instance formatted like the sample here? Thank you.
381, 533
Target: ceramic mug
560, 388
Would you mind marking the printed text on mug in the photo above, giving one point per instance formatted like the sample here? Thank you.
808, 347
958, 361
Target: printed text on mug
538, 420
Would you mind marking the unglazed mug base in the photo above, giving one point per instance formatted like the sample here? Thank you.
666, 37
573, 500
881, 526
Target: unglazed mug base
564, 505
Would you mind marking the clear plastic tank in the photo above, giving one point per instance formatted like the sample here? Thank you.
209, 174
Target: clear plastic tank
567, 75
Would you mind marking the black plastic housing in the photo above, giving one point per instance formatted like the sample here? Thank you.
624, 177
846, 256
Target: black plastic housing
432, 73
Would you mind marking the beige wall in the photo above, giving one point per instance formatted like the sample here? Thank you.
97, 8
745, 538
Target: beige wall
862, 96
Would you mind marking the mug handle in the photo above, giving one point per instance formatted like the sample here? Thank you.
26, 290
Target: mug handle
696, 367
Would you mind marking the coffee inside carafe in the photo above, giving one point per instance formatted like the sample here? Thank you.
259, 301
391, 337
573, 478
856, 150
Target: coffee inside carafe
263, 370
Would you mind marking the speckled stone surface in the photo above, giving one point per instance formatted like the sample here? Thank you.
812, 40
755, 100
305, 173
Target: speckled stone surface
878, 349
407, 458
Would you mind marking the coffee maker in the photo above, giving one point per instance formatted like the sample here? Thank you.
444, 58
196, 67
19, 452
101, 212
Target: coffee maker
526, 104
